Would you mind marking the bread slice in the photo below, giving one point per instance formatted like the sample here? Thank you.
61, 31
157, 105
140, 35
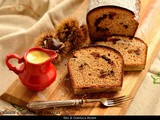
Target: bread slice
133, 50
96, 69
112, 17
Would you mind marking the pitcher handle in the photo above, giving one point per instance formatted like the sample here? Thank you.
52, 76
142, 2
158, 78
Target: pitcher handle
10, 66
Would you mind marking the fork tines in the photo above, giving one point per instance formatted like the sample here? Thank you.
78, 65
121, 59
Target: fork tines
118, 100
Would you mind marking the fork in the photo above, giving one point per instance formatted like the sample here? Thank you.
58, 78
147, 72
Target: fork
108, 102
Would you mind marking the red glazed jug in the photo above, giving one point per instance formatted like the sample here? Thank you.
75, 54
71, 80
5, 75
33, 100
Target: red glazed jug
37, 71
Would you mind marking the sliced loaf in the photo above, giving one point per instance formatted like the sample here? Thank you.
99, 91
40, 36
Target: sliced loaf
112, 17
133, 50
96, 69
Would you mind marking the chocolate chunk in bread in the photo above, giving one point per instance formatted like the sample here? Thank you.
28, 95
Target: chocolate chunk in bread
112, 17
133, 50
96, 69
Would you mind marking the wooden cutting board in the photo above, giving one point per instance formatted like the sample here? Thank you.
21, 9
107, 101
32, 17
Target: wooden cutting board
149, 31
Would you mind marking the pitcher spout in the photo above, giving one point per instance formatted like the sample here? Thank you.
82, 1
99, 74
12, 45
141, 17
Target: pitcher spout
39, 55
52, 54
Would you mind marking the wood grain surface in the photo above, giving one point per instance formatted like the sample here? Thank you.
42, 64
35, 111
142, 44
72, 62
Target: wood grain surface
148, 30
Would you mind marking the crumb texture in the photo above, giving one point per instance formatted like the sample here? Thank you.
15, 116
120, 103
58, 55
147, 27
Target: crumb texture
110, 20
96, 67
133, 50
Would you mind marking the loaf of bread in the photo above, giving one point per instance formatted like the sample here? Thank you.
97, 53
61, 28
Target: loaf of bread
112, 17
96, 69
133, 50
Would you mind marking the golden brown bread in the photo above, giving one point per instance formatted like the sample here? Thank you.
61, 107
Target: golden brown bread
96, 69
133, 50
107, 18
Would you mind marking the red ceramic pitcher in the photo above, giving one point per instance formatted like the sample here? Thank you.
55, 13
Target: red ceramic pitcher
36, 71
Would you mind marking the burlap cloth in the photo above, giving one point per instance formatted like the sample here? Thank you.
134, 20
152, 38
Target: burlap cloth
22, 20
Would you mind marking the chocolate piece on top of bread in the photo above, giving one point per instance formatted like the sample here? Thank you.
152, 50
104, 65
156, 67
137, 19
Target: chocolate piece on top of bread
112, 17
133, 50
96, 68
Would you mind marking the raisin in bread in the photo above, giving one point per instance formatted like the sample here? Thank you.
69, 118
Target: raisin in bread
96, 69
133, 50
112, 17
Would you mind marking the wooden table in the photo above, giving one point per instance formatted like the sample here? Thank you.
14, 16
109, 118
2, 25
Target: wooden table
148, 30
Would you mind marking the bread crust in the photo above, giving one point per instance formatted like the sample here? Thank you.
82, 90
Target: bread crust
79, 89
134, 66
132, 5
97, 31
111, 6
